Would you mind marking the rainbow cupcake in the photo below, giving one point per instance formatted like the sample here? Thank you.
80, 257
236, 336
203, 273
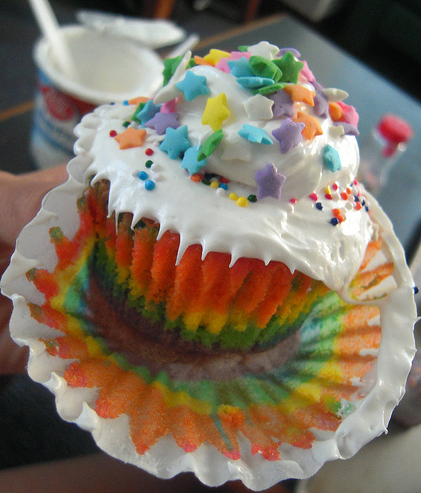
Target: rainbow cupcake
214, 286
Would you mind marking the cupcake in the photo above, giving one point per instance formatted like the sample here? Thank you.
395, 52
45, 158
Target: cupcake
213, 290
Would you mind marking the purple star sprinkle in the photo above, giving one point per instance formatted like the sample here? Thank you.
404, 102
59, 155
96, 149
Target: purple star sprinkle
282, 52
321, 104
269, 182
288, 134
283, 105
348, 128
161, 121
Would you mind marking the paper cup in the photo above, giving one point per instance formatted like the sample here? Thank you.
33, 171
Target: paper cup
107, 69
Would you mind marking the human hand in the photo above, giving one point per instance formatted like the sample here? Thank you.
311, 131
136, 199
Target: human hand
20, 200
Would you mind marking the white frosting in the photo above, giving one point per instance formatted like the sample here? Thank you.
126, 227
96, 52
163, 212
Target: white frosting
297, 233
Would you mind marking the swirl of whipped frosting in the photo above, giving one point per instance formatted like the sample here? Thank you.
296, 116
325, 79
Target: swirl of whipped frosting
277, 181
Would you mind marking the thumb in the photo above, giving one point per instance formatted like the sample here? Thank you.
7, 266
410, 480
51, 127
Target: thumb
21, 197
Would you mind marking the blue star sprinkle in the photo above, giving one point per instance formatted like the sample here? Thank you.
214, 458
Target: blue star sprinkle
193, 86
254, 134
175, 141
331, 159
147, 112
254, 82
240, 68
269, 182
288, 134
161, 121
190, 161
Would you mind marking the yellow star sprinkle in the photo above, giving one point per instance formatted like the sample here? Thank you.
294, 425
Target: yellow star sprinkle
214, 56
216, 111
131, 137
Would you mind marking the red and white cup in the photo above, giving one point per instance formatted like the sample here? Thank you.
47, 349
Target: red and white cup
107, 69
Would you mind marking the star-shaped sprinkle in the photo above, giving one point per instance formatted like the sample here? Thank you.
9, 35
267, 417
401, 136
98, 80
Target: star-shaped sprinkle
223, 63
193, 86
175, 141
214, 56
216, 111
210, 144
269, 182
161, 121
170, 91
131, 137
170, 66
331, 159
321, 104
349, 114
282, 52
270, 89
290, 67
254, 82
147, 112
283, 104
300, 94
288, 134
306, 73
348, 128
240, 67
263, 49
336, 130
262, 67
334, 95
254, 134
259, 107
335, 112
312, 125
190, 160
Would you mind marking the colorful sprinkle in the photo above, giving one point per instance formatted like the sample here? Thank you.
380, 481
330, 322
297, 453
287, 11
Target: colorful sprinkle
175, 141
149, 185
161, 121
170, 66
283, 104
242, 202
149, 151
289, 134
254, 134
332, 159
319, 206
254, 82
131, 137
290, 67
143, 175
233, 196
314, 196
214, 56
193, 86
252, 198
262, 67
147, 112
210, 144
240, 67
148, 163
216, 111
191, 162
269, 182
259, 107
312, 126
113, 133
300, 94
